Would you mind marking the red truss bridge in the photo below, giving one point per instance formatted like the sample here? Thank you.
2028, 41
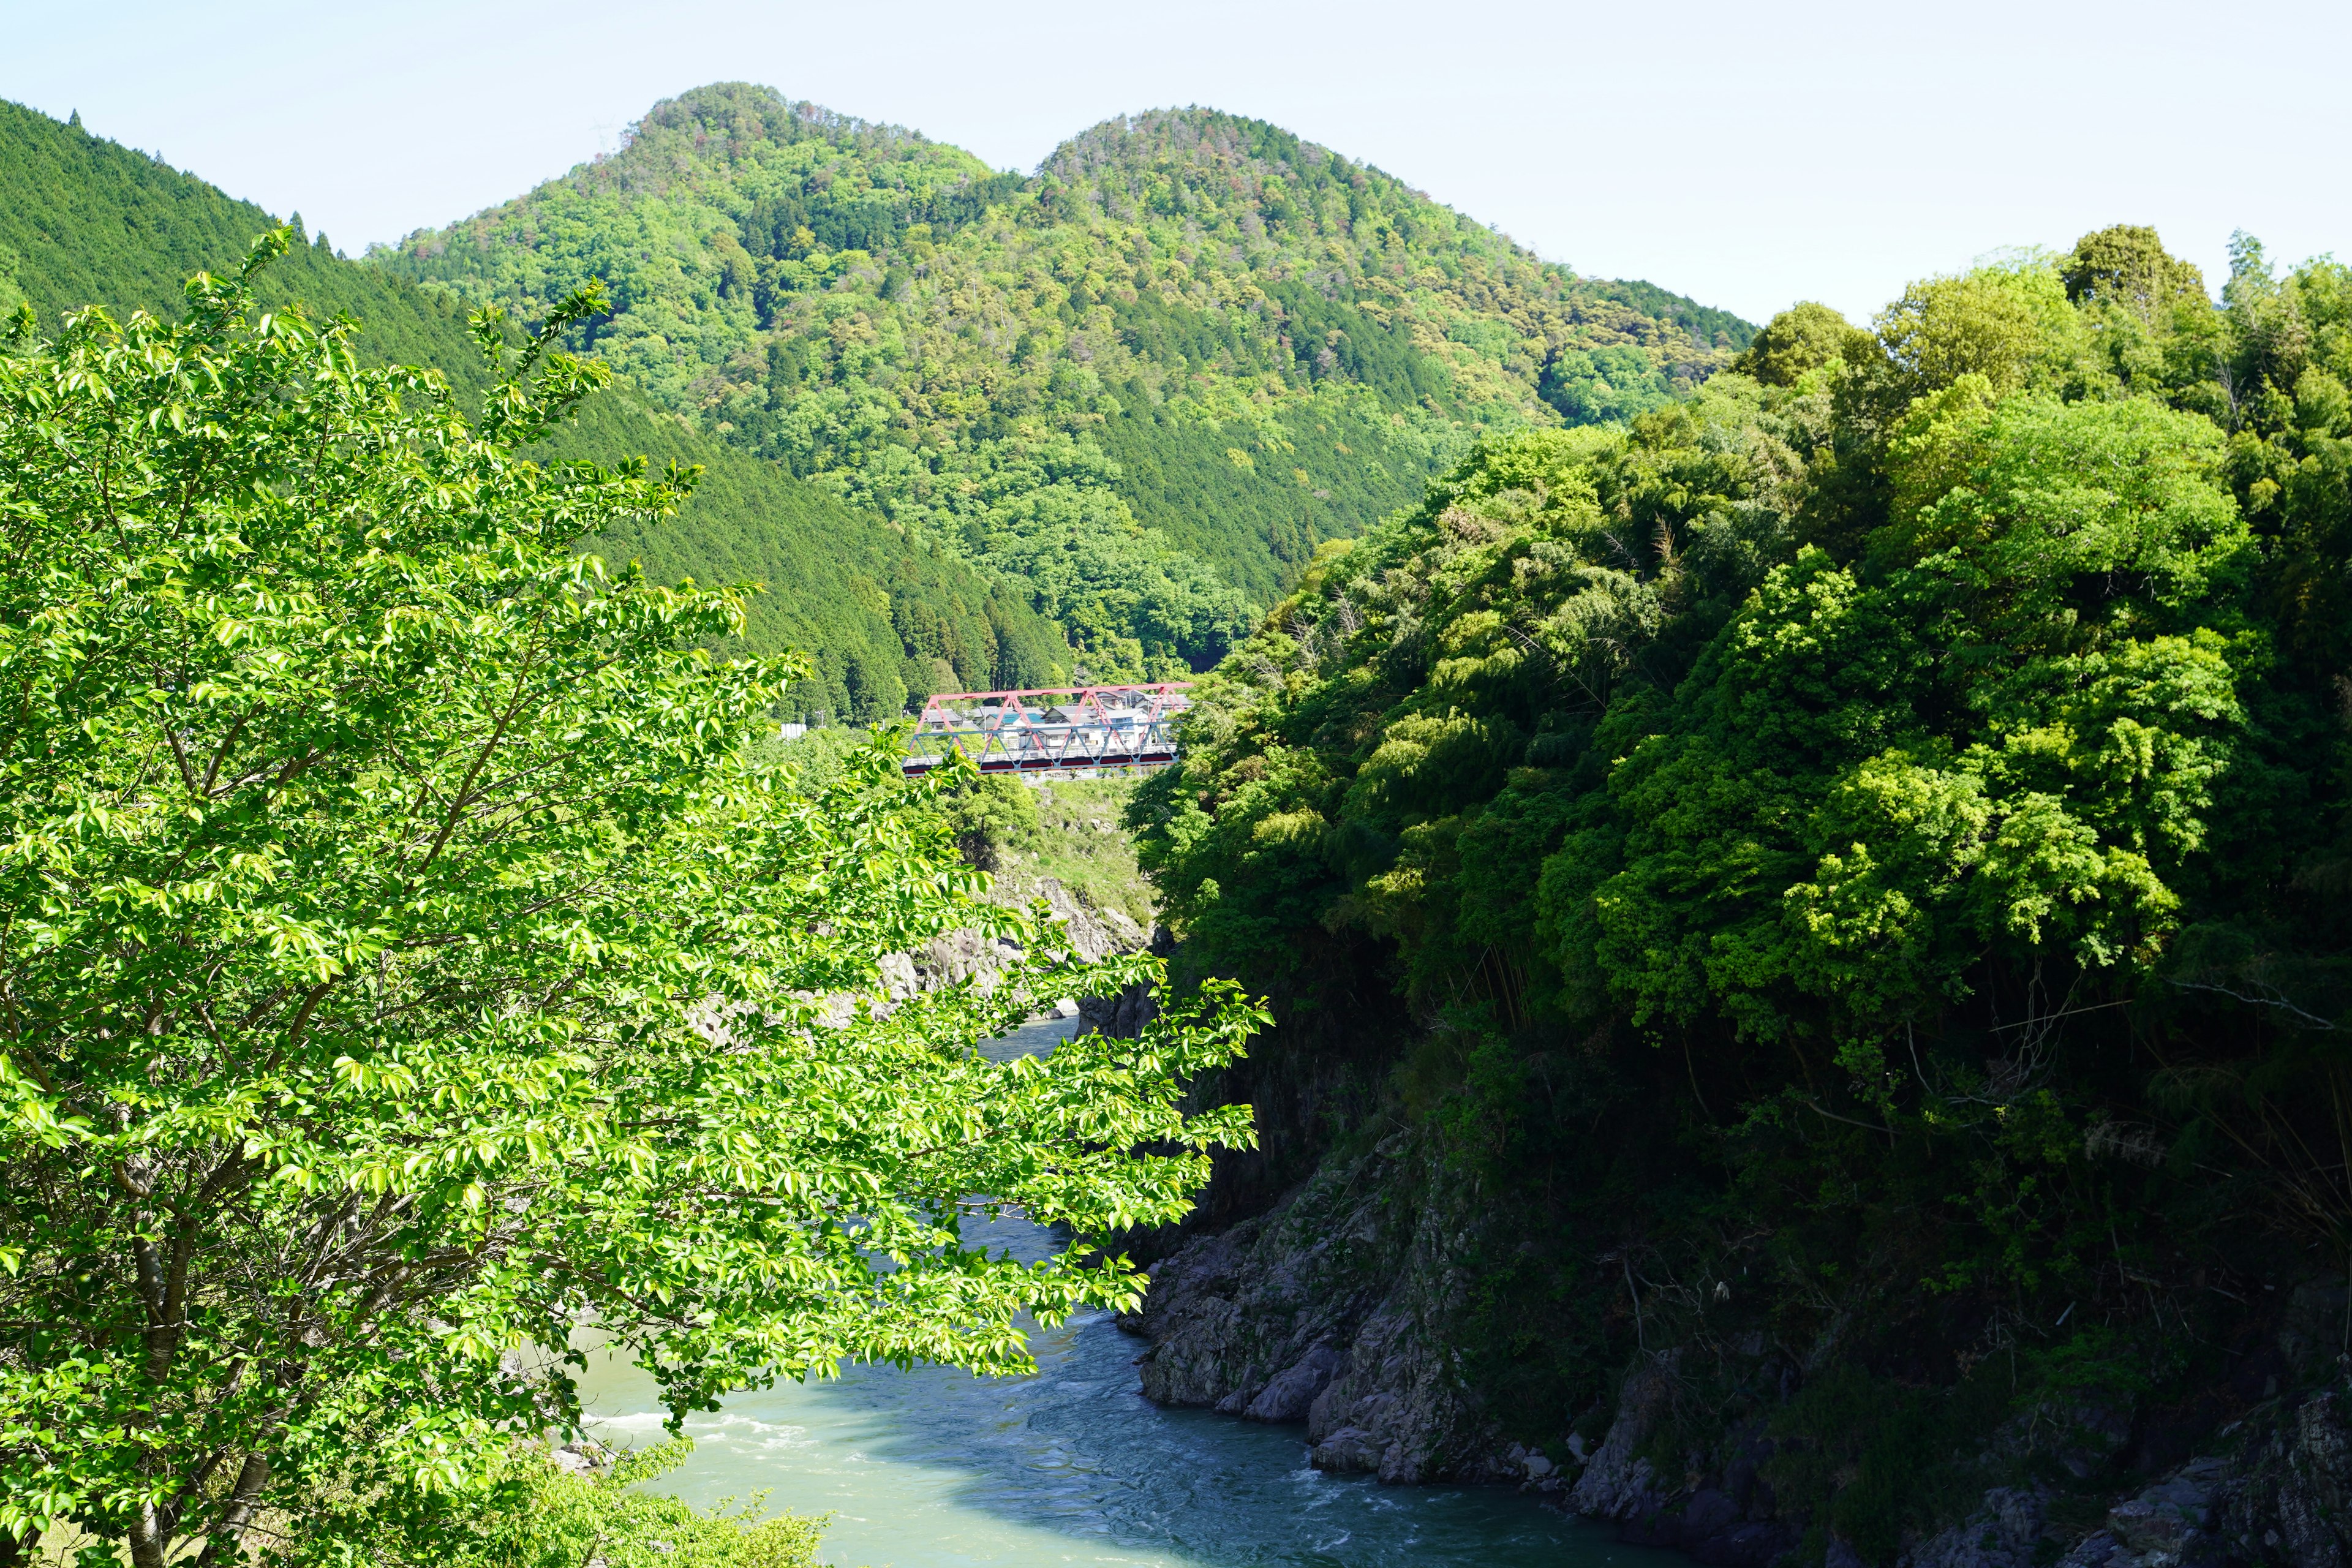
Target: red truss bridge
1052, 728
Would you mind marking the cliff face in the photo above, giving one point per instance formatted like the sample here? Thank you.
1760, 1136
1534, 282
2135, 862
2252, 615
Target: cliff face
1349, 1307
1333, 1309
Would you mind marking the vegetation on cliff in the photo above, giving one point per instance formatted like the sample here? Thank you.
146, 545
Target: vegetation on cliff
1144, 383
1864, 852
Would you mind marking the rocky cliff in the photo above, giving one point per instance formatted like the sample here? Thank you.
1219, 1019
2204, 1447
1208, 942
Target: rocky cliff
1347, 1308
1333, 1309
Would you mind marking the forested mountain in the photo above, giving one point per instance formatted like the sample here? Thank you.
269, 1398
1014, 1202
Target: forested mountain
1146, 382
1810, 936
85, 221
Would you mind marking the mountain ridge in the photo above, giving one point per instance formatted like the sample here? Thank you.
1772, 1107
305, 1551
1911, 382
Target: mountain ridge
1189, 349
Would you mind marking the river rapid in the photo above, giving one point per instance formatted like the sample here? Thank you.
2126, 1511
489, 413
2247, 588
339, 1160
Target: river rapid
936, 1469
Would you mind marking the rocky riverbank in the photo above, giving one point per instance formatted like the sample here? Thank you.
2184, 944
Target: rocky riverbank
1344, 1308
1332, 1309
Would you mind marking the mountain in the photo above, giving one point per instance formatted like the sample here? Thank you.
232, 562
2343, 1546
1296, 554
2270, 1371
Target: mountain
1145, 381
881, 614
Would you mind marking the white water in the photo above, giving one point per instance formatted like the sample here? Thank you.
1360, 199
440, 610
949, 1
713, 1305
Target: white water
935, 1468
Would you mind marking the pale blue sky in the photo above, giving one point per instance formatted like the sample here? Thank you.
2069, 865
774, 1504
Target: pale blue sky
1747, 154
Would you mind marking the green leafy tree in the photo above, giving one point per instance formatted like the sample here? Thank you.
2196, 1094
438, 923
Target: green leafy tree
1803, 338
2127, 265
84, 221
406, 957
527, 1513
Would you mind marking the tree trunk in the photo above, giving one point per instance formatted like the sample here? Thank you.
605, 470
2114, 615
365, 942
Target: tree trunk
149, 1543
243, 1501
17, 1550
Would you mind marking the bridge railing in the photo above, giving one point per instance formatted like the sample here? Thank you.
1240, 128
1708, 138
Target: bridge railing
1050, 729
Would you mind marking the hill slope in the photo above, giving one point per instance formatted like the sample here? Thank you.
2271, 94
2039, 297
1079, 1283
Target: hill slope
1189, 339
83, 220
1808, 939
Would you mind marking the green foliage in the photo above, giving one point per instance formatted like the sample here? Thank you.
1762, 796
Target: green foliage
84, 221
885, 620
1870, 834
1874, 1462
1799, 341
820, 757
1191, 342
1081, 842
530, 1514
2126, 265
409, 954
1344, 455
990, 814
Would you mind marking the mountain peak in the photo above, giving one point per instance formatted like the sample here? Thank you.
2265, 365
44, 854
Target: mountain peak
743, 112
1144, 383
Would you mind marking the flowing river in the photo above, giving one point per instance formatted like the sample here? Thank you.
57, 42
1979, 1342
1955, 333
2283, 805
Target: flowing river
936, 1469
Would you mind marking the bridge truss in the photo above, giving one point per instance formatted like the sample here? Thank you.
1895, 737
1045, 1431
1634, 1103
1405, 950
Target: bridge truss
1053, 729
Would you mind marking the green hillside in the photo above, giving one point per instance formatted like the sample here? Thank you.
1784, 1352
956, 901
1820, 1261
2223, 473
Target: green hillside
1859, 858
883, 616
83, 221
1145, 381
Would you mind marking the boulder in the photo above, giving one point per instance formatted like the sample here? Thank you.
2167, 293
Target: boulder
1616, 1483
1332, 1307
1292, 1392
2002, 1533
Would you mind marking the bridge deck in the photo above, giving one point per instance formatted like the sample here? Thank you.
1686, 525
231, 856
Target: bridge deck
1052, 728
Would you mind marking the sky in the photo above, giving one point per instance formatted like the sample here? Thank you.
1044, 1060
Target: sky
1747, 155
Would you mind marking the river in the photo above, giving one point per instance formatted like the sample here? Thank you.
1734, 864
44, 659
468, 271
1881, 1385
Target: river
936, 1469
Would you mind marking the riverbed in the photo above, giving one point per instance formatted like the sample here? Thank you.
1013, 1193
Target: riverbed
936, 1469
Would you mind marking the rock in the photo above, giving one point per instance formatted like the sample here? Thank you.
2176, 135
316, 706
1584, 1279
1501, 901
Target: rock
1292, 1393
953, 957
2314, 1331
2292, 1490
2081, 1435
1123, 1016
581, 1458
2002, 1534
1094, 932
1842, 1554
899, 978
1710, 1512
2092, 1550
1537, 1466
1616, 1484
2163, 1522
1753, 1546
1332, 1307
1349, 1448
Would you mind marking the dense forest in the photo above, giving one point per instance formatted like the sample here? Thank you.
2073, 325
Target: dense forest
1146, 382
1852, 872
83, 221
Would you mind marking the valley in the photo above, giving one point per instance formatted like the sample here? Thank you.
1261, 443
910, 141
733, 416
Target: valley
1745, 953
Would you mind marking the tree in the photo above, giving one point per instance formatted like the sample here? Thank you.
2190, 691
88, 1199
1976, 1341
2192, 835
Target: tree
404, 958
1803, 337
2126, 264
1980, 323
